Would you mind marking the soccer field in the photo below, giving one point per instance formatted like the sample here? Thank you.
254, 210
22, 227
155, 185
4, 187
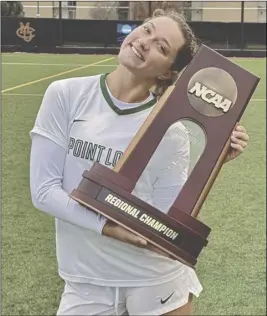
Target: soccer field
231, 268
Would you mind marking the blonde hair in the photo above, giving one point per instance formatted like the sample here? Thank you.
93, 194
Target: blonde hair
184, 55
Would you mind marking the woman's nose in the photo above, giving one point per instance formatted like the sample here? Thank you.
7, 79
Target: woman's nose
144, 44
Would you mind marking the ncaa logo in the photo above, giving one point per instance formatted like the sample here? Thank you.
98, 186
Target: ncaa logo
212, 91
126, 29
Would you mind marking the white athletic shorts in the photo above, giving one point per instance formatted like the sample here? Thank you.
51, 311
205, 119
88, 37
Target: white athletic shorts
87, 299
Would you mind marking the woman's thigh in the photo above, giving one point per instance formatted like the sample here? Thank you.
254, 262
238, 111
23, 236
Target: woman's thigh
87, 299
186, 310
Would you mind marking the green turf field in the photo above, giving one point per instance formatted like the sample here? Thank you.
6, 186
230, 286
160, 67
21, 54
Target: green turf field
231, 268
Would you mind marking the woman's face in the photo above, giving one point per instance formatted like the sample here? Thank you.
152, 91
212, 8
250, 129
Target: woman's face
150, 50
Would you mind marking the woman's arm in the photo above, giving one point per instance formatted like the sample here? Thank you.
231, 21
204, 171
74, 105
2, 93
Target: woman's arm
48, 152
46, 170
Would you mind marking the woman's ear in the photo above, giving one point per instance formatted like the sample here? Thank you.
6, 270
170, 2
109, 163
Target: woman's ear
166, 75
170, 74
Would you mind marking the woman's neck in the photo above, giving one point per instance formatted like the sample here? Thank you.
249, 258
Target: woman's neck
126, 87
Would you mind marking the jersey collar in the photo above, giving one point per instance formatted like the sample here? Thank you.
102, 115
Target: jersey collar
114, 107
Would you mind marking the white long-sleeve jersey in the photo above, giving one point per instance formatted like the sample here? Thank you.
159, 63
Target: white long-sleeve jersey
80, 122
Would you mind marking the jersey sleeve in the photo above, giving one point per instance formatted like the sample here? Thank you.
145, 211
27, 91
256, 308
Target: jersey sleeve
172, 171
53, 116
46, 173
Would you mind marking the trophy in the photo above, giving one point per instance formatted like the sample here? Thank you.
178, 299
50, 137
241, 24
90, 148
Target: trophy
212, 93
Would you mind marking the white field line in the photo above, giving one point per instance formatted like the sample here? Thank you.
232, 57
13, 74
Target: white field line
108, 65
29, 83
67, 65
23, 94
41, 95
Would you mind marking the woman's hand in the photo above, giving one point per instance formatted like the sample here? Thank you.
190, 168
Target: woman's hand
239, 141
116, 231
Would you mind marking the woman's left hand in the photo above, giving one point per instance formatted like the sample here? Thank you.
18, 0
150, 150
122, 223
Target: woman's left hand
239, 141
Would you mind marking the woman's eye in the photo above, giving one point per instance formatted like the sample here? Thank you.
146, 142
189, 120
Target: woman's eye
162, 48
147, 29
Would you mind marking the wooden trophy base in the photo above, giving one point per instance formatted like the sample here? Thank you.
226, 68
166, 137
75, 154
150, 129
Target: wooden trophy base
109, 193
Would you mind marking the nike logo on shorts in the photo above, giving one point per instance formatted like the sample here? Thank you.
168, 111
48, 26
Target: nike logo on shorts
164, 301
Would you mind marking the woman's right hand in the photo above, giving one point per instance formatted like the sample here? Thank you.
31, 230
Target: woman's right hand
116, 231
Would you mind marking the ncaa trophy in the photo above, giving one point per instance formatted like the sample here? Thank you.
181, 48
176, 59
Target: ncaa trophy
211, 94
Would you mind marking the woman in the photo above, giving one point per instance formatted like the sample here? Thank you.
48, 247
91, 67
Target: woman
106, 269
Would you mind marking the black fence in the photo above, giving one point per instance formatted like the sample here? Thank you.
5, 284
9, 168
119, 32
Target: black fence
105, 36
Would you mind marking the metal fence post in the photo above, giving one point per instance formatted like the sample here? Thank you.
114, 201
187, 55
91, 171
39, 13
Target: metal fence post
242, 41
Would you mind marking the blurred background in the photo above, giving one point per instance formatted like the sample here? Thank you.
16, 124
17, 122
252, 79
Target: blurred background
236, 28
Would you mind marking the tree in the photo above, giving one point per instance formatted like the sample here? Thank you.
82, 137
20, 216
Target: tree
11, 8
140, 10
104, 10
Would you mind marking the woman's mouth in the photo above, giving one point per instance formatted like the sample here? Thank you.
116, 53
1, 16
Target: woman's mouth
136, 52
